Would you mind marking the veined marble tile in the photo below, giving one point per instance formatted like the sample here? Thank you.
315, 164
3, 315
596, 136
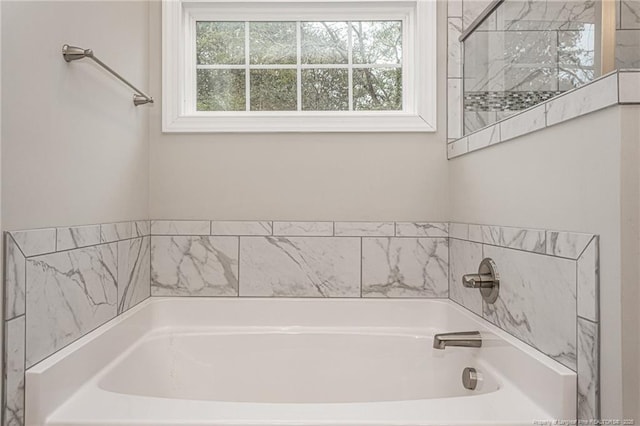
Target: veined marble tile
523, 78
454, 8
475, 233
365, 229
134, 274
15, 280
457, 148
589, 282
577, 48
77, 236
422, 229
485, 62
141, 228
484, 138
301, 229
522, 124
194, 266
111, 232
630, 14
627, 49
454, 63
588, 371
36, 241
518, 238
476, 120
538, 15
454, 108
537, 301
180, 227
241, 228
572, 77
567, 244
592, 97
300, 266
630, 83
459, 230
464, 258
471, 9
69, 294
541, 50
14, 374
405, 267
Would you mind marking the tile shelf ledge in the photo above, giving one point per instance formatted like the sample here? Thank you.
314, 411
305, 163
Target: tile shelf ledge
620, 87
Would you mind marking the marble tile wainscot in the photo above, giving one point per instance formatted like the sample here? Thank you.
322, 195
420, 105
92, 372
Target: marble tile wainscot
61, 283
304, 259
299, 259
617, 88
549, 295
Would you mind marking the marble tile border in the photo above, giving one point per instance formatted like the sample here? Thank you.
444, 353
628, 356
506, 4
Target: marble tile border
36, 242
42, 245
568, 245
266, 228
616, 88
582, 251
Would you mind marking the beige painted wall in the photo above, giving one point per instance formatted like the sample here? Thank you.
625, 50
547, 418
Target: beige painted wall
630, 218
314, 176
568, 178
74, 148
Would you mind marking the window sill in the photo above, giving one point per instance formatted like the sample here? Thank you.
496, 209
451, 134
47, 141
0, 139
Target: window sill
282, 124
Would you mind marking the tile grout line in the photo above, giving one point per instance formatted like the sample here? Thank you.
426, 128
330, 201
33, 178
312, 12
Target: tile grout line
239, 242
361, 265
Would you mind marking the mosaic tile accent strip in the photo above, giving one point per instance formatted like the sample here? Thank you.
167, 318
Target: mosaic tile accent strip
506, 101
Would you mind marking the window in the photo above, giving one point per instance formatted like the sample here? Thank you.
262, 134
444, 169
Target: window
298, 66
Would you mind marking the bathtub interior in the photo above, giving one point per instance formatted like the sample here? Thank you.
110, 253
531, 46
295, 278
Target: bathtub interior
257, 351
308, 365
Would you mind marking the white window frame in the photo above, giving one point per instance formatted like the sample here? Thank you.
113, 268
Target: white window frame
179, 78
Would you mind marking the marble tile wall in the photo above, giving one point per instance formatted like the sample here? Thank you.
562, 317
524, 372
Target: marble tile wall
524, 51
549, 294
628, 34
568, 57
299, 259
61, 283
617, 88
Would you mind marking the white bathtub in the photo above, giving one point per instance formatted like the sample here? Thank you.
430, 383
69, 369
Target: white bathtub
197, 361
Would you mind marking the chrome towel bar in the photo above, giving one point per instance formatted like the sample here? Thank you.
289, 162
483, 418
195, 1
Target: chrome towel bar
73, 53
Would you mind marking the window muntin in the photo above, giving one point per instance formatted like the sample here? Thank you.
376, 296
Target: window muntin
336, 66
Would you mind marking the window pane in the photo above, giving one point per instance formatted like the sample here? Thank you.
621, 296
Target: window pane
220, 43
325, 90
377, 89
273, 43
221, 90
325, 43
377, 42
274, 90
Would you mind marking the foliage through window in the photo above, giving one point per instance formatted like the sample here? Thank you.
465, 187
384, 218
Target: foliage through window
299, 66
